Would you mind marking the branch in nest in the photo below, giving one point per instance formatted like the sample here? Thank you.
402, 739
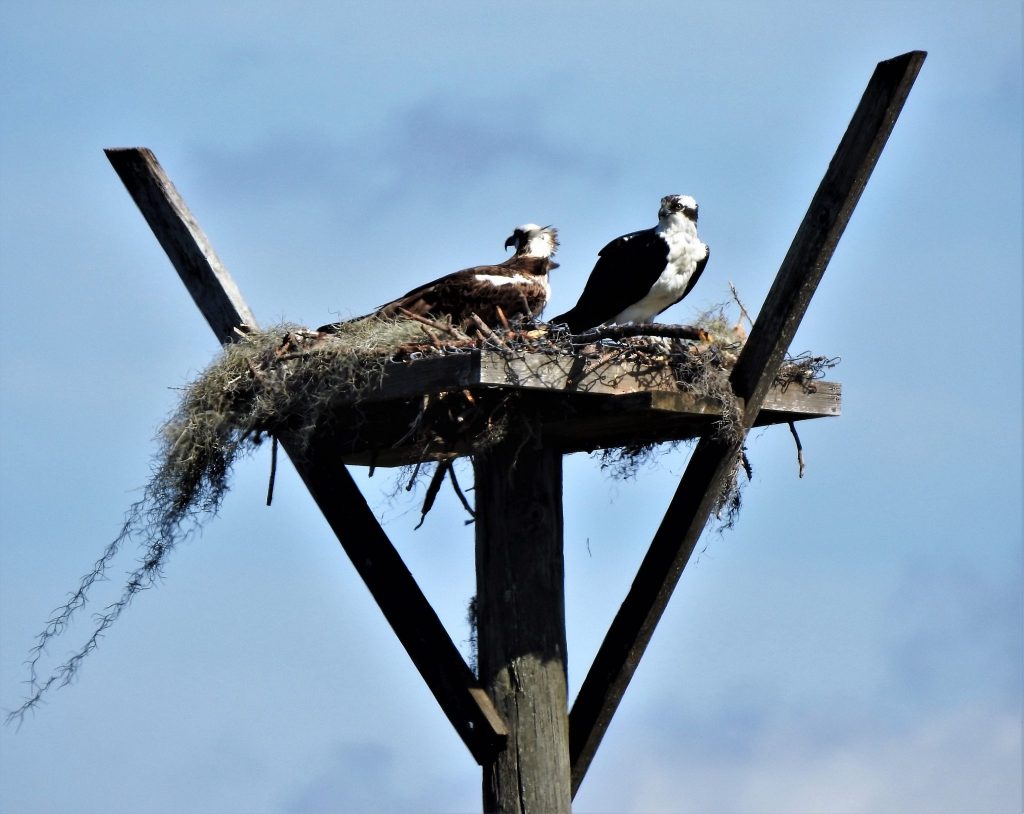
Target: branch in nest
257, 374
412, 478
430, 335
451, 330
626, 331
799, 448
485, 329
461, 496
744, 314
273, 470
433, 489
501, 317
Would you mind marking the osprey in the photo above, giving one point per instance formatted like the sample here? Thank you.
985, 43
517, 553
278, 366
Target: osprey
639, 275
519, 286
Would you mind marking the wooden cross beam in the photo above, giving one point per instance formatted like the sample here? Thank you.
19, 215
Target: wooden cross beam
713, 459
414, 621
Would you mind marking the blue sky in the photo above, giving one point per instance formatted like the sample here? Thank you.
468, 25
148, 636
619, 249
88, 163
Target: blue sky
853, 645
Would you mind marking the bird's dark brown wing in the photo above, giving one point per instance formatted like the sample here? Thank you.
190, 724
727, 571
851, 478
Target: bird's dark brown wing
462, 293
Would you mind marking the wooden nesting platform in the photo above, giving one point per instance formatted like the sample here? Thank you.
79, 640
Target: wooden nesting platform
583, 403
512, 712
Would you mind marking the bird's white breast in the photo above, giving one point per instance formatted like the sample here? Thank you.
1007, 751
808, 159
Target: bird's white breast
685, 251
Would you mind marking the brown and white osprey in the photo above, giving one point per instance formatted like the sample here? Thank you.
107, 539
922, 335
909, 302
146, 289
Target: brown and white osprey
519, 286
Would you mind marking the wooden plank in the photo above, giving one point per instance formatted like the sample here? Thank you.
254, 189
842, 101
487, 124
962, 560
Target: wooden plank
571, 422
521, 620
185, 244
477, 370
572, 373
713, 459
819, 398
361, 536
404, 380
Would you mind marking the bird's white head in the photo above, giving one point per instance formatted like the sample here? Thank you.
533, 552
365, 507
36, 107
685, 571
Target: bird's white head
677, 208
531, 240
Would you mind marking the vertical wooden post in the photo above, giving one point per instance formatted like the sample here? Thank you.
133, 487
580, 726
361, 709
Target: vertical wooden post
521, 621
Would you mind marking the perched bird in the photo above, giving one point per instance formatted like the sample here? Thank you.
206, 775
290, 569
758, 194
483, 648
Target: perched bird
519, 286
639, 275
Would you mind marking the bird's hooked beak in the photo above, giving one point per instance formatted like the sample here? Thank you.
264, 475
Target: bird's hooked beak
511, 241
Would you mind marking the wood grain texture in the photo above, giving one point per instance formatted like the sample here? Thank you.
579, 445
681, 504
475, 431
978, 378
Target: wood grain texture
185, 244
713, 460
521, 621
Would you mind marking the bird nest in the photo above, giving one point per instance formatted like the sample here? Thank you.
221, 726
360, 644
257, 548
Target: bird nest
290, 382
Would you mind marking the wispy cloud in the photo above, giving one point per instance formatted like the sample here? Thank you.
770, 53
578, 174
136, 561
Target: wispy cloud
442, 146
371, 778
813, 771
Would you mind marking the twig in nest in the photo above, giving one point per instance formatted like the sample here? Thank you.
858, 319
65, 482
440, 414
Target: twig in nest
626, 331
804, 369
501, 317
743, 311
273, 470
257, 374
432, 323
799, 448
461, 496
433, 489
412, 477
430, 335
485, 329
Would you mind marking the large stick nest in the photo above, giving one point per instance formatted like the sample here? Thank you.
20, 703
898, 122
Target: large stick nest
288, 381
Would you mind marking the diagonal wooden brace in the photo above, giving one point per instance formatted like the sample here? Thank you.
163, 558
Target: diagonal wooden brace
713, 459
414, 621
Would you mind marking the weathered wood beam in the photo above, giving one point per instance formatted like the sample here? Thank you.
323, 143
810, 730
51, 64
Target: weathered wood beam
520, 606
571, 422
411, 616
713, 460
185, 244
392, 585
